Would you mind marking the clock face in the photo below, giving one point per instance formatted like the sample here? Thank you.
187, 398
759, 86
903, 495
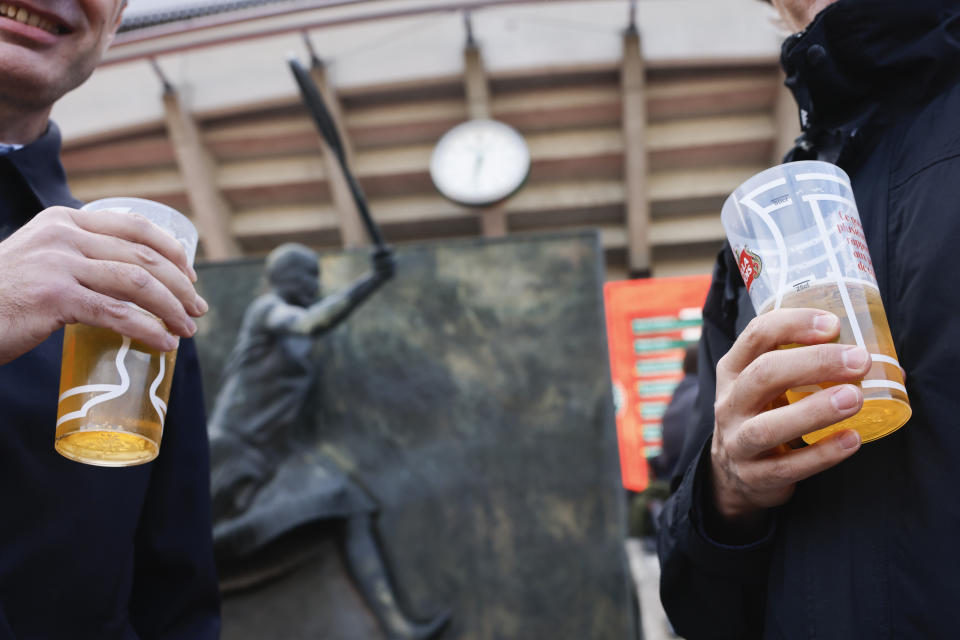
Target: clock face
480, 162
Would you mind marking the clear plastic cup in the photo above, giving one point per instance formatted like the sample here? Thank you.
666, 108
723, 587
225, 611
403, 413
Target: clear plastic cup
797, 239
114, 390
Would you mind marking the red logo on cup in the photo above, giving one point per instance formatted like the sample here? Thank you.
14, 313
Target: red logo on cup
750, 266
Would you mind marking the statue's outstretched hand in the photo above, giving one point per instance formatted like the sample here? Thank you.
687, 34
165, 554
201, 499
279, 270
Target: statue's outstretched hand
384, 263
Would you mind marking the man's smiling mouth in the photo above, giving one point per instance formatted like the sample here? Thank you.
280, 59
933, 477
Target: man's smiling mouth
25, 16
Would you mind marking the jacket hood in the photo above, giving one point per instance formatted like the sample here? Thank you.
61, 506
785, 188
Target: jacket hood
863, 62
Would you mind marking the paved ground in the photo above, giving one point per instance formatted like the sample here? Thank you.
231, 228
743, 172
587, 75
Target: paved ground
646, 575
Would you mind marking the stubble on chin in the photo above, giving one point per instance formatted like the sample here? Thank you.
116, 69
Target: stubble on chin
28, 82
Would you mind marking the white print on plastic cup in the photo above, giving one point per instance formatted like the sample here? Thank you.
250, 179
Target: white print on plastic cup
797, 238
114, 390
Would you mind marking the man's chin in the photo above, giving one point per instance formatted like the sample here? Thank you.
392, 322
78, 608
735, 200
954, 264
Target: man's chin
26, 93
27, 80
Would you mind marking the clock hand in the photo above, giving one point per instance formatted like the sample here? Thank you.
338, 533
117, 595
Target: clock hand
477, 166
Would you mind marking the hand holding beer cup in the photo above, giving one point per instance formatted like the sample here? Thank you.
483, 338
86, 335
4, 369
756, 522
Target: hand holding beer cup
798, 242
752, 469
67, 266
117, 365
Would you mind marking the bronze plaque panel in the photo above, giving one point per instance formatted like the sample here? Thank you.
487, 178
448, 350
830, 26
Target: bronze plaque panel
471, 397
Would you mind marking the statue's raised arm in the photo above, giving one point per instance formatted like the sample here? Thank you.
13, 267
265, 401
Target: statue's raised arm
294, 274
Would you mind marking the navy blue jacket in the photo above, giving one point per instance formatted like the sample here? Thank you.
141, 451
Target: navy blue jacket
91, 552
863, 550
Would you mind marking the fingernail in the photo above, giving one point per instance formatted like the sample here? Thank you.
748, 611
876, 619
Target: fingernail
171, 342
825, 322
193, 274
201, 305
191, 326
845, 397
855, 358
849, 439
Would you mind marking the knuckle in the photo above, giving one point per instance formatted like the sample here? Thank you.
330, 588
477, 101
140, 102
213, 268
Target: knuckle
724, 362
145, 255
68, 214
53, 231
47, 261
719, 409
748, 475
114, 309
723, 407
54, 213
44, 217
139, 277
716, 444
91, 305
762, 371
47, 293
752, 334
142, 225
745, 437
103, 307
756, 433
781, 472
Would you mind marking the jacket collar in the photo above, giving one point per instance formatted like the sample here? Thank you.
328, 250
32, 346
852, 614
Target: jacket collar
39, 165
863, 63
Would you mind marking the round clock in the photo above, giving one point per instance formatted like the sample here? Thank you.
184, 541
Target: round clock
480, 162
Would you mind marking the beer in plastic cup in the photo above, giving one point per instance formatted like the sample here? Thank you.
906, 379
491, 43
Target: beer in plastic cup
114, 390
797, 239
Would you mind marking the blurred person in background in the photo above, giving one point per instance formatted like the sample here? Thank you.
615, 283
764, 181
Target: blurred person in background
762, 540
679, 419
88, 552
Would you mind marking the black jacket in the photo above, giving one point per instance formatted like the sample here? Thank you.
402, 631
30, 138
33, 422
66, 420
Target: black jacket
863, 550
89, 552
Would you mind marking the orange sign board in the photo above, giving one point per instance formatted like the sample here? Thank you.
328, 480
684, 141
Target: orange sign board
649, 324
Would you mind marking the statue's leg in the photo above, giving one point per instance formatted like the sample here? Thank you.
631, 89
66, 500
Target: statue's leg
238, 471
369, 570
